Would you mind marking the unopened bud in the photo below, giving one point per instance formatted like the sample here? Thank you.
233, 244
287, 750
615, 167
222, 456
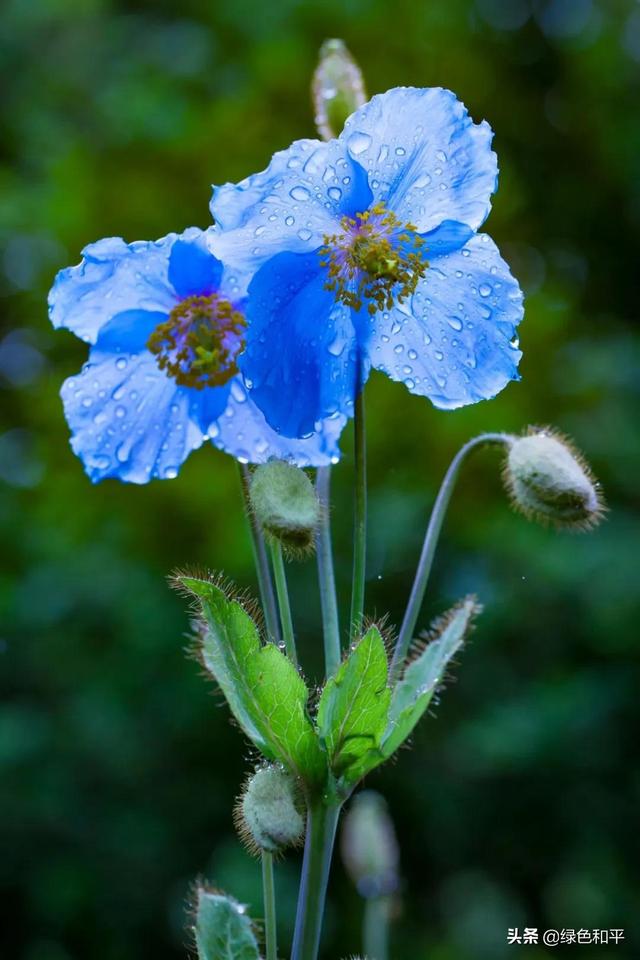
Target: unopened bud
285, 504
267, 814
369, 846
548, 480
338, 88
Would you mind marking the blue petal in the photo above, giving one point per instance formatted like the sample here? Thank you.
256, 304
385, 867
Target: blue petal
455, 341
424, 156
193, 270
129, 331
113, 277
243, 432
128, 419
292, 205
300, 360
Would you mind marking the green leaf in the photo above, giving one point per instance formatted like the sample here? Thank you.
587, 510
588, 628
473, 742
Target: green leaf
223, 930
265, 692
413, 693
353, 708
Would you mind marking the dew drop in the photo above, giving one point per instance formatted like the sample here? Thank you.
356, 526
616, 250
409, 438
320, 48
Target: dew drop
485, 290
289, 221
358, 142
335, 193
305, 234
299, 193
121, 363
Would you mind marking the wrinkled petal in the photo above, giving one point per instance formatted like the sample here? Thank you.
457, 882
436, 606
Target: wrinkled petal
300, 361
193, 270
113, 277
129, 420
243, 432
424, 156
455, 341
291, 205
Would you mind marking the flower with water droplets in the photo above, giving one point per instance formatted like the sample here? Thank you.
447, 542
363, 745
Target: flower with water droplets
167, 322
368, 256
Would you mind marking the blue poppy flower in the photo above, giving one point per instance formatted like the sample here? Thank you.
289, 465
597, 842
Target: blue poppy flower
166, 324
368, 256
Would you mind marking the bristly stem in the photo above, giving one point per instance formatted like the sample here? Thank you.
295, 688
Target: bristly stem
263, 571
326, 577
282, 592
430, 543
360, 514
375, 928
268, 891
322, 822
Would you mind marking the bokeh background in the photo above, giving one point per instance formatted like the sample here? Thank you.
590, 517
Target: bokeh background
518, 803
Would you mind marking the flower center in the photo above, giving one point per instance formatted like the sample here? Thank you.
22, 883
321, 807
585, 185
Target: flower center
199, 342
376, 259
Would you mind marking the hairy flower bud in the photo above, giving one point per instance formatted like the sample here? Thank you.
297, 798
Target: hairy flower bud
285, 504
369, 846
267, 814
338, 88
548, 480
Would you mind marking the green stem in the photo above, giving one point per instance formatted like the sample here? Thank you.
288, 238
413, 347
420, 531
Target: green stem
360, 515
282, 592
375, 928
322, 822
265, 582
326, 577
268, 891
430, 543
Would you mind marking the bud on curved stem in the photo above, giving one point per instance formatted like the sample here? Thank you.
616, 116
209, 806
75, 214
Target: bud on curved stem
549, 480
267, 814
338, 88
286, 505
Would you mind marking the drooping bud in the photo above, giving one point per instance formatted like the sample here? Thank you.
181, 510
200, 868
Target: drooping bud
369, 847
267, 814
285, 504
548, 480
338, 88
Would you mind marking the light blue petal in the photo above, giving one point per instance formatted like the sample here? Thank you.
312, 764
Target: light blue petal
113, 277
292, 205
454, 342
424, 156
128, 419
300, 360
243, 432
193, 270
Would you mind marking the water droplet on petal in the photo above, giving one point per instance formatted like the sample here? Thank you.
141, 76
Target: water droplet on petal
299, 193
358, 142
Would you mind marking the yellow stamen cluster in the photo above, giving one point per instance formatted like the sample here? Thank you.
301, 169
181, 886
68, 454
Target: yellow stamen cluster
377, 260
199, 342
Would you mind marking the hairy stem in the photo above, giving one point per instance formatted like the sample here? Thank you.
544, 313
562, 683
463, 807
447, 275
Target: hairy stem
360, 515
282, 592
375, 928
430, 543
269, 895
326, 578
261, 559
322, 822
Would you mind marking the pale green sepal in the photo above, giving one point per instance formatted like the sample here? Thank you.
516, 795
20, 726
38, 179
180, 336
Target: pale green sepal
265, 692
223, 930
353, 709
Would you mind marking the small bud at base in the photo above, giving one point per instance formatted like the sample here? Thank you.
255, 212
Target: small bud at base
266, 814
338, 88
286, 505
548, 480
369, 846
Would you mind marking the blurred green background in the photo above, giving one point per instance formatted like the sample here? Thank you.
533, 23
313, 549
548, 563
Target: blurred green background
518, 803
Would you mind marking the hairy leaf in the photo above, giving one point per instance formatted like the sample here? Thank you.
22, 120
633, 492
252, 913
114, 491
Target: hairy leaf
223, 930
265, 692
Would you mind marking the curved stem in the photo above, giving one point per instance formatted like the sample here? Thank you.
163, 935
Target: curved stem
360, 515
326, 578
286, 622
375, 928
430, 543
265, 582
268, 892
322, 822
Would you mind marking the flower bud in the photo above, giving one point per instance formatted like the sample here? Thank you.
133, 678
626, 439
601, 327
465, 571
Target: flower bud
548, 480
338, 88
285, 504
267, 814
369, 846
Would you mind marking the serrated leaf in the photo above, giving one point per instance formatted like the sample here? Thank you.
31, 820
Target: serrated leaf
265, 692
353, 708
223, 930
